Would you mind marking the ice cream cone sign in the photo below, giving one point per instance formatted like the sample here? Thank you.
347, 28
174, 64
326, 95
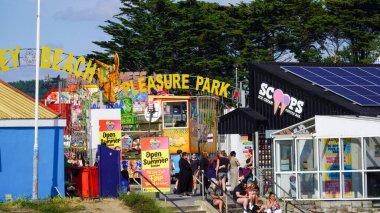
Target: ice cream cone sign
285, 103
278, 97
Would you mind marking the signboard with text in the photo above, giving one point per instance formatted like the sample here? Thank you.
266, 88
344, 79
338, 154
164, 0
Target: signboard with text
155, 163
110, 133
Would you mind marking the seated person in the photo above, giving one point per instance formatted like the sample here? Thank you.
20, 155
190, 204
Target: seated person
259, 207
273, 206
216, 196
240, 195
252, 191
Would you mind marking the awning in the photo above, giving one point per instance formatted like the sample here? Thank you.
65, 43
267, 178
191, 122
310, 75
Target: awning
240, 121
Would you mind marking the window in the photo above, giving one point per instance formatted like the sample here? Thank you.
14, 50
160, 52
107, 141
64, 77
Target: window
372, 153
307, 155
352, 154
175, 114
286, 155
330, 185
308, 185
329, 152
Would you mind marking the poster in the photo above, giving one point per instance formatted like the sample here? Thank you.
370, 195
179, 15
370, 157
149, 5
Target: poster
377, 151
155, 163
178, 139
133, 166
331, 162
109, 133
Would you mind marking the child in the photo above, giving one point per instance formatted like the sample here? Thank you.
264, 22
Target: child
258, 207
253, 194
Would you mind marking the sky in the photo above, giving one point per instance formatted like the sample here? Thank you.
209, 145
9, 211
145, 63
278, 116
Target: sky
71, 25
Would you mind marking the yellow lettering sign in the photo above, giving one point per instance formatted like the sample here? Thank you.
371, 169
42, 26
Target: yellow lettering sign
45, 57
57, 59
3, 60
14, 56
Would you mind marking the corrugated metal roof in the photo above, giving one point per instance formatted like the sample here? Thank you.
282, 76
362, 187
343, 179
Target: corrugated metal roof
15, 104
240, 121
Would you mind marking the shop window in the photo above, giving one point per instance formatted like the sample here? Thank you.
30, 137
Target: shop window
286, 185
285, 152
175, 114
330, 185
353, 187
372, 152
329, 152
373, 184
308, 186
352, 153
307, 155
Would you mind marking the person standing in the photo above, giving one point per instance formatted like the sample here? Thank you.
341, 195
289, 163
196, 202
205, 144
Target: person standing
211, 170
204, 164
125, 179
249, 165
194, 164
222, 167
176, 169
185, 175
234, 171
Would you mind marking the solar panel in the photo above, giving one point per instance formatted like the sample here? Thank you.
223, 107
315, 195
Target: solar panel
360, 85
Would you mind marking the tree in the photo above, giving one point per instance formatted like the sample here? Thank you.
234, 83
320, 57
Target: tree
357, 23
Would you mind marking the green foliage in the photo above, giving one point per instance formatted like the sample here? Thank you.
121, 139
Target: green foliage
142, 203
28, 87
202, 38
51, 205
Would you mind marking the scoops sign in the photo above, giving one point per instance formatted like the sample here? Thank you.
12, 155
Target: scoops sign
280, 101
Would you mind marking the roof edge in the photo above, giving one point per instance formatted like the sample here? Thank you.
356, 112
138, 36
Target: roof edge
28, 97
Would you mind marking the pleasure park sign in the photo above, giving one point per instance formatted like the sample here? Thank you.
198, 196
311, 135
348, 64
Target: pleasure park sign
110, 79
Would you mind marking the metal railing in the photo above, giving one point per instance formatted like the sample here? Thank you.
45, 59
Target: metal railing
150, 182
224, 191
260, 172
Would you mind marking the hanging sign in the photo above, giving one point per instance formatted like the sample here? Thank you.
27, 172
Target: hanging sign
110, 134
109, 77
155, 163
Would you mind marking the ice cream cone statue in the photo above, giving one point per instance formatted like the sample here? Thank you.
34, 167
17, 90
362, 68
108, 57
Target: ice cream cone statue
109, 78
278, 96
285, 102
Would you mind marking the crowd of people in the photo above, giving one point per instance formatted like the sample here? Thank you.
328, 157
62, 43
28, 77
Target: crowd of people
217, 172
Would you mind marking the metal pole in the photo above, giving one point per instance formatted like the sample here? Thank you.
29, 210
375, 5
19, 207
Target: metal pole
203, 185
59, 94
198, 130
236, 86
35, 155
257, 152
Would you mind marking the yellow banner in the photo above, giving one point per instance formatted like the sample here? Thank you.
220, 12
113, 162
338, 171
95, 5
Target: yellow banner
179, 138
111, 138
155, 159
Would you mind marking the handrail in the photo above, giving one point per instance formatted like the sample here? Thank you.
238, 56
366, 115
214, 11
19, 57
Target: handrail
282, 189
202, 183
225, 192
159, 191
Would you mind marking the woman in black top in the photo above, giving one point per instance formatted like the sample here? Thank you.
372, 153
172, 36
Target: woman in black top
222, 167
185, 175
241, 196
203, 166
194, 164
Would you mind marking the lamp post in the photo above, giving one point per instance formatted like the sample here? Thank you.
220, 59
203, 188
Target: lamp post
35, 147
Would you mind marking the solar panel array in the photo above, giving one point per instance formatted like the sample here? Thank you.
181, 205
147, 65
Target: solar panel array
361, 85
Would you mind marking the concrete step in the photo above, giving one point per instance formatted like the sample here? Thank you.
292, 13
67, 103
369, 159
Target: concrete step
191, 211
188, 209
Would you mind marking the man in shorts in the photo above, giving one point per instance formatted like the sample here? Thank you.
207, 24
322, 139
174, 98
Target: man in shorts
176, 168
